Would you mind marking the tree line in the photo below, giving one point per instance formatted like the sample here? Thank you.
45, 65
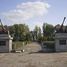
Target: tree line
21, 32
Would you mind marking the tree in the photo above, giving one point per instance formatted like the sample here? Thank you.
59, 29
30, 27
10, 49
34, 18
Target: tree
48, 31
38, 32
44, 29
23, 32
19, 32
11, 30
16, 31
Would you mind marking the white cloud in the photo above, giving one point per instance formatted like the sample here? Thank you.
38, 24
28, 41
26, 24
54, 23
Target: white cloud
26, 11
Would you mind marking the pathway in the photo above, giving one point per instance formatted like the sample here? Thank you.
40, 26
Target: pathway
33, 47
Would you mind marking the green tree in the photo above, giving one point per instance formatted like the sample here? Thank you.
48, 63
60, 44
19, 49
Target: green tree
38, 32
16, 31
48, 31
11, 30
19, 32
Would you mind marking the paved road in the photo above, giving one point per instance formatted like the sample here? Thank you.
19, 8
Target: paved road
33, 47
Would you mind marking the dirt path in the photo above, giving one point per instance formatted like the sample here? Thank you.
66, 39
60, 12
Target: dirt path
33, 59
33, 47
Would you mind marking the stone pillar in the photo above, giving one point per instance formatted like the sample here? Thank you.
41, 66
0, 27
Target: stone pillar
61, 41
5, 43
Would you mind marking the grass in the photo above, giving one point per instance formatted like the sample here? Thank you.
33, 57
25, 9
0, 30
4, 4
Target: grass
19, 44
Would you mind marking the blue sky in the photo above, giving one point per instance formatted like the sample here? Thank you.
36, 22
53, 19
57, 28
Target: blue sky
33, 12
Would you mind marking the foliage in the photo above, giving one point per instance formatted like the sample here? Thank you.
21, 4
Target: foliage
19, 44
20, 32
38, 33
48, 31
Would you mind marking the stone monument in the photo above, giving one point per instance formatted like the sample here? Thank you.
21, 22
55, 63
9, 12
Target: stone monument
61, 38
5, 39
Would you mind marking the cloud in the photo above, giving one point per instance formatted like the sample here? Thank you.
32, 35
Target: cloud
27, 11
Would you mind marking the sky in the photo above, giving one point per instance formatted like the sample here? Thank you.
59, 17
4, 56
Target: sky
33, 12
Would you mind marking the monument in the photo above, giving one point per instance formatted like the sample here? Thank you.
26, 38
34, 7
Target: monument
61, 38
5, 39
